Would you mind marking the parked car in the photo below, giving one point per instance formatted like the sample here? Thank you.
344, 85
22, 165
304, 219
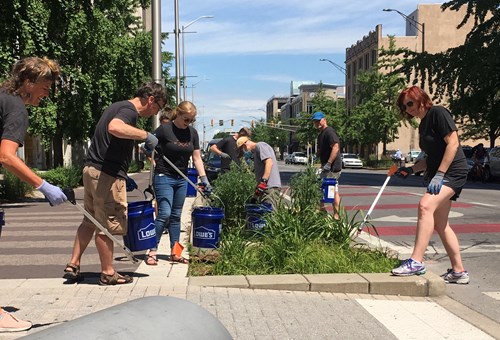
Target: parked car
350, 160
212, 161
494, 162
410, 157
288, 159
299, 158
420, 157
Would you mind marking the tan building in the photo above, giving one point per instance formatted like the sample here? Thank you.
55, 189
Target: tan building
428, 28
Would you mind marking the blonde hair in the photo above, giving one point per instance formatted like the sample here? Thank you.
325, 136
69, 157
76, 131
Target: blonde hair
183, 108
33, 69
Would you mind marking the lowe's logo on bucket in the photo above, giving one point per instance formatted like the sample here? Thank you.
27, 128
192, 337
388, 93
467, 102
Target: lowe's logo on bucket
204, 233
147, 232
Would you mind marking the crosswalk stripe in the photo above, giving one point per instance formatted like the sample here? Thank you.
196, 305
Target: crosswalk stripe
494, 295
421, 320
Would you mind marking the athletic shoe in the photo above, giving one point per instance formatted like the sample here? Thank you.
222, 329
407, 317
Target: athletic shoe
9, 323
409, 267
452, 276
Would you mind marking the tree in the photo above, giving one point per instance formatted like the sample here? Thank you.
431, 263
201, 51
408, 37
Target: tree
467, 75
103, 52
270, 132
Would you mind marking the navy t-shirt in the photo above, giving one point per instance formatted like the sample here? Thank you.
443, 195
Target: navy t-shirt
13, 118
110, 154
177, 145
436, 124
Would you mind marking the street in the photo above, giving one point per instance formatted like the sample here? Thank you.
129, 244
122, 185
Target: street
37, 239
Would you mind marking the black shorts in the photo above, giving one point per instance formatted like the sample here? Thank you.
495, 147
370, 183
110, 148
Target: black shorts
453, 181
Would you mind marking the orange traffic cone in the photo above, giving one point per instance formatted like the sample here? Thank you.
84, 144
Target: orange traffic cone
177, 249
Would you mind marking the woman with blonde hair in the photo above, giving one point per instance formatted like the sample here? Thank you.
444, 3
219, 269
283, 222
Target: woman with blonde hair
178, 141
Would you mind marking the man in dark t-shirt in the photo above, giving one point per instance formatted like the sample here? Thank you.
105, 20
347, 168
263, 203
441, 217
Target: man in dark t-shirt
228, 151
329, 154
104, 177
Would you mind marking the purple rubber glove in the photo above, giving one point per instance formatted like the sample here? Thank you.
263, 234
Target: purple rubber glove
54, 194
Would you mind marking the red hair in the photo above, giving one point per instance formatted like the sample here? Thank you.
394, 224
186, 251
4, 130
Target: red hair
417, 95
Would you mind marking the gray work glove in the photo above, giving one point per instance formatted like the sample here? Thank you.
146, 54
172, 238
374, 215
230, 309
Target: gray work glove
54, 194
327, 167
436, 183
224, 155
205, 184
150, 143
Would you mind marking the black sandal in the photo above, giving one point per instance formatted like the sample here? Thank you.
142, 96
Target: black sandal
72, 272
115, 279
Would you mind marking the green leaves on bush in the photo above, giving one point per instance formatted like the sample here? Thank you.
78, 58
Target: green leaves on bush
12, 188
298, 236
64, 177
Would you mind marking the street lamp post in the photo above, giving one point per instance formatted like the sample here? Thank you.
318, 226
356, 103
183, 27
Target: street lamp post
343, 70
183, 50
193, 86
419, 26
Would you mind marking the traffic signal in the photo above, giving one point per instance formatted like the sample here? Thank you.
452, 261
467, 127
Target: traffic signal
221, 122
232, 122
252, 124
212, 122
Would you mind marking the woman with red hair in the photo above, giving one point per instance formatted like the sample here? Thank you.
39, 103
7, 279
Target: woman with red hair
445, 175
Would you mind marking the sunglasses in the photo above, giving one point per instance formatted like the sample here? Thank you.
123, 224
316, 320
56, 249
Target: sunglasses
403, 107
189, 120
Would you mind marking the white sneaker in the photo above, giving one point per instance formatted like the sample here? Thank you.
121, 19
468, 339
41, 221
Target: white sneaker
453, 277
9, 323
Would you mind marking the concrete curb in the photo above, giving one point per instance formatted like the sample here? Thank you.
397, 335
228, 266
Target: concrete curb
363, 283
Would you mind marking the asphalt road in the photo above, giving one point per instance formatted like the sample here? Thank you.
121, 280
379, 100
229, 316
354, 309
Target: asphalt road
37, 239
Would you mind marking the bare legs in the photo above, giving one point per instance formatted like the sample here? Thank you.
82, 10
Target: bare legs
433, 211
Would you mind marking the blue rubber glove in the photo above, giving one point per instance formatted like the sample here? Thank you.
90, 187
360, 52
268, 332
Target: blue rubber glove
404, 172
131, 184
54, 194
327, 167
224, 155
436, 183
150, 143
205, 184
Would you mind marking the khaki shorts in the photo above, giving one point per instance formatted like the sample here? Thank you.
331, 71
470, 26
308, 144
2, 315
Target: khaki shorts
105, 198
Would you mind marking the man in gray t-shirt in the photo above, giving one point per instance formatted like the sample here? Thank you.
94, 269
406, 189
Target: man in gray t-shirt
266, 169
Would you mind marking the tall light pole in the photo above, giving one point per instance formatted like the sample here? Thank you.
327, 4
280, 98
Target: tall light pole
184, 51
193, 86
177, 54
156, 28
343, 70
419, 26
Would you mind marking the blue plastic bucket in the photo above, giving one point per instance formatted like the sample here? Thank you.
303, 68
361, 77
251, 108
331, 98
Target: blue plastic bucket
207, 225
255, 215
328, 189
141, 233
193, 177
2, 220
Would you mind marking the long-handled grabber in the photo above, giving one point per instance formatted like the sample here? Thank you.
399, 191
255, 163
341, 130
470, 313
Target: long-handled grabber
391, 172
205, 194
70, 194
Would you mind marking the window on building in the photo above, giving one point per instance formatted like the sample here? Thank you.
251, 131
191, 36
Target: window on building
374, 56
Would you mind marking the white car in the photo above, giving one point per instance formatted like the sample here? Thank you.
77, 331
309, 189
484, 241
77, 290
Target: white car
410, 157
350, 160
299, 158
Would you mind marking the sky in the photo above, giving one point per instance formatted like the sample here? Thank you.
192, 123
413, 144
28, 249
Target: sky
251, 51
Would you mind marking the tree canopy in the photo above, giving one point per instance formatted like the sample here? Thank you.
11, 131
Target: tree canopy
103, 52
468, 76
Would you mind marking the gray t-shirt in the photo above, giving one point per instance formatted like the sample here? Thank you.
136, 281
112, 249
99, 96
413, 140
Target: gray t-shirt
262, 152
13, 118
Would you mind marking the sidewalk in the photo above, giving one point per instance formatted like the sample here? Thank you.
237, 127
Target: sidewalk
364, 306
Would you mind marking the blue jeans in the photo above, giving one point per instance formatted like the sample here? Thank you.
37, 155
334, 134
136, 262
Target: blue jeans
170, 197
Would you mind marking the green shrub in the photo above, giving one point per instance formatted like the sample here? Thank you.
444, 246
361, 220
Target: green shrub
12, 188
136, 166
64, 177
232, 191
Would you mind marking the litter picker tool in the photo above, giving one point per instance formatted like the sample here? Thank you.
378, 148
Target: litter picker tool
391, 172
70, 194
203, 193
